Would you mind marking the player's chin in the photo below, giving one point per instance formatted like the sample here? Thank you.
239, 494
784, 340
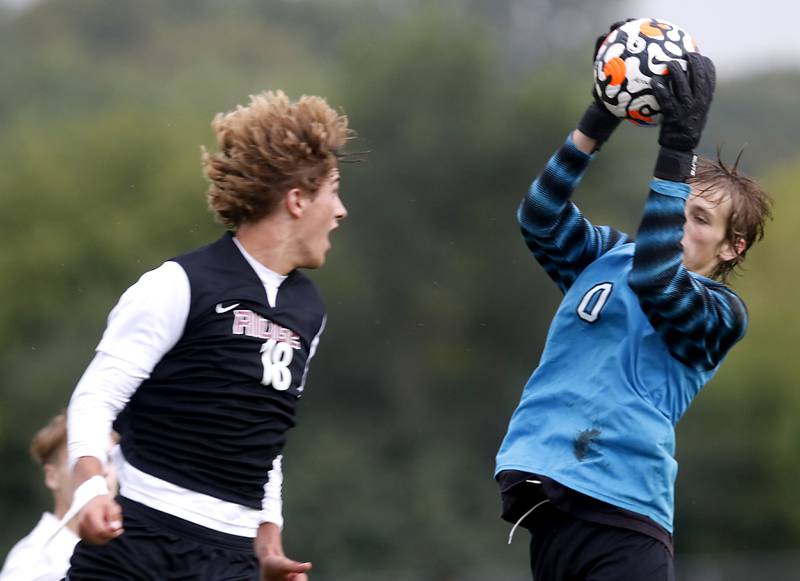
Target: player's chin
314, 261
317, 253
323, 252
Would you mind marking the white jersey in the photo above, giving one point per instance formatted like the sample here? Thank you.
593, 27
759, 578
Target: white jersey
35, 559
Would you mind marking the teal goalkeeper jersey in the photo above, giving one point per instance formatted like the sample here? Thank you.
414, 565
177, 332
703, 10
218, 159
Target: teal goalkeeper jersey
635, 338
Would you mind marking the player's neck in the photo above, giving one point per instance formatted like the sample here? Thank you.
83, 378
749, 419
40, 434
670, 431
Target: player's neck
60, 509
269, 241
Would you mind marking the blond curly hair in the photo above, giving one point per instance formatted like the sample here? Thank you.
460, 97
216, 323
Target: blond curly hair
267, 148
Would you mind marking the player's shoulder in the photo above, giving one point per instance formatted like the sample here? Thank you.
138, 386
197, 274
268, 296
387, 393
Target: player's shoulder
727, 298
303, 289
620, 247
30, 545
622, 243
716, 286
41, 555
167, 279
221, 249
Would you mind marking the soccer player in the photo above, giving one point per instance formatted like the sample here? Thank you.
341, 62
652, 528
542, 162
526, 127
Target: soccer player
587, 463
44, 554
208, 356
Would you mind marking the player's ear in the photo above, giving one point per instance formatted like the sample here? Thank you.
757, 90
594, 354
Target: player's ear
51, 477
295, 202
729, 250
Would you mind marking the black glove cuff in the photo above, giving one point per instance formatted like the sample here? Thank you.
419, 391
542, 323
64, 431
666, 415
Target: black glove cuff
675, 166
597, 123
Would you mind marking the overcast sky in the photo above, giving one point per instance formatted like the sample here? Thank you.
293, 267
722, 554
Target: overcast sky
741, 37
15, 3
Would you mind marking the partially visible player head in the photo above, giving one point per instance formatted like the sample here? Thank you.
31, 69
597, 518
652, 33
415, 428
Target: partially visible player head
49, 449
725, 216
266, 149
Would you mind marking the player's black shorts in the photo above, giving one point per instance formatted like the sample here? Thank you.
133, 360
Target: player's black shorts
566, 548
159, 546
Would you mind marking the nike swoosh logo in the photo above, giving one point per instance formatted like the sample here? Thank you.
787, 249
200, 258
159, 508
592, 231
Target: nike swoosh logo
220, 309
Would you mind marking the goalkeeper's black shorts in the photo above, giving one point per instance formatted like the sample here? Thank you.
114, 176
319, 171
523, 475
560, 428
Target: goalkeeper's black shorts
566, 547
156, 545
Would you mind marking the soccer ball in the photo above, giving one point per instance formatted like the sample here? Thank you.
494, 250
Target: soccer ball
628, 59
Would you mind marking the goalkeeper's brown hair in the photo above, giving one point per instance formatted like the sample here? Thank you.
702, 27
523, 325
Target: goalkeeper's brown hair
267, 148
48, 442
751, 207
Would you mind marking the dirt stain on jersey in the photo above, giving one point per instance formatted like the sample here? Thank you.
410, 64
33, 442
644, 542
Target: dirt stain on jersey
584, 441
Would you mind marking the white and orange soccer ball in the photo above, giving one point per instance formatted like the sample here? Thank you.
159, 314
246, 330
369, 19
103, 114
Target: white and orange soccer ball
629, 57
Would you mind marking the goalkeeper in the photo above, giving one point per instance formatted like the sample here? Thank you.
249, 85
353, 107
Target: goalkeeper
587, 464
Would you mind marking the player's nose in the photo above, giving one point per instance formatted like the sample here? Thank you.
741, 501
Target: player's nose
341, 211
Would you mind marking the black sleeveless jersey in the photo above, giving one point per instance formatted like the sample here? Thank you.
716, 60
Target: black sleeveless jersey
215, 411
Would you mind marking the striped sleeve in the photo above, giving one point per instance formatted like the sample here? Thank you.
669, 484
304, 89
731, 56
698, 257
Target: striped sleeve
561, 239
698, 319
